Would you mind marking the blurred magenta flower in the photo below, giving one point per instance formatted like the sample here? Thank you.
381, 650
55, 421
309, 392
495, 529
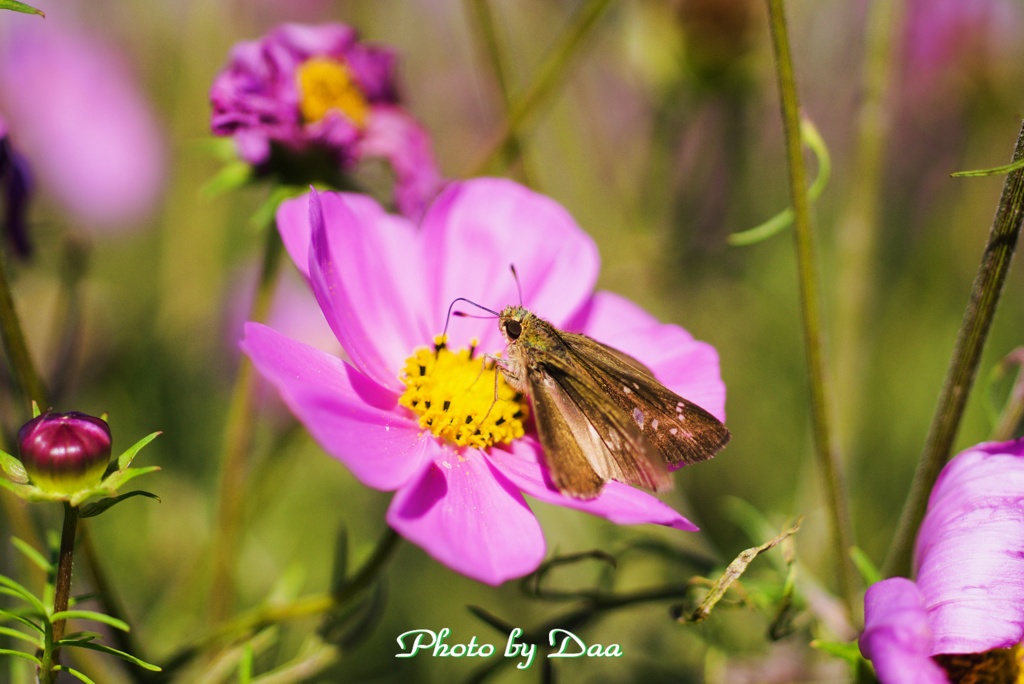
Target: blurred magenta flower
964, 612
78, 114
411, 415
64, 453
318, 87
15, 189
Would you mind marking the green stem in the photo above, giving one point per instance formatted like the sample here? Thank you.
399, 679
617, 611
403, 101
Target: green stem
266, 616
1012, 415
486, 29
963, 366
858, 228
550, 74
237, 445
810, 305
62, 593
28, 380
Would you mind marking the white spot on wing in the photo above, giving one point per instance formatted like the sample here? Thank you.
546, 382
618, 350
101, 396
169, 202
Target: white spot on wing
626, 390
654, 424
638, 416
673, 431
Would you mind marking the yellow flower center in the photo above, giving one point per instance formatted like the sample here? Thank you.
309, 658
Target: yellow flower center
326, 84
998, 666
453, 395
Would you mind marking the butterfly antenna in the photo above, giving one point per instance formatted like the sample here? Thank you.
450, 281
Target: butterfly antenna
519, 288
463, 299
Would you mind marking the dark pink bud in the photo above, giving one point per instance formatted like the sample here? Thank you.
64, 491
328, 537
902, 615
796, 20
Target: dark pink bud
64, 453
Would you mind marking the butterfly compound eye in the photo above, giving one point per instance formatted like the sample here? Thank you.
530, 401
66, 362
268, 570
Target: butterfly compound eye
513, 329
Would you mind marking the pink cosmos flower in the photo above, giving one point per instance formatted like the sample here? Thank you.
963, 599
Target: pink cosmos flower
318, 87
385, 287
968, 596
78, 114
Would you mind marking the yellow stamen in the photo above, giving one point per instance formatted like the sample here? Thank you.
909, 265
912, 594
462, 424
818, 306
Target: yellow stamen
998, 666
453, 395
327, 84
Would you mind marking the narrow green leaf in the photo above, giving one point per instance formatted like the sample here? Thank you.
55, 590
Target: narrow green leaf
22, 619
231, 176
91, 615
125, 459
96, 507
72, 671
996, 171
109, 651
29, 552
15, 634
20, 591
35, 410
844, 650
865, 567
245, 665
13, 468
16, 6
265, 215
811, 139
19, 654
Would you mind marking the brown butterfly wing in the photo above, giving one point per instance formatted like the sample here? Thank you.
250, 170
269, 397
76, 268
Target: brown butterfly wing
683, 432
612, 444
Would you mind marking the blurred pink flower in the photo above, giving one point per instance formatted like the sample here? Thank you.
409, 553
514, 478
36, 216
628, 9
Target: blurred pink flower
968, 595
308, 87
384, 287
80, 117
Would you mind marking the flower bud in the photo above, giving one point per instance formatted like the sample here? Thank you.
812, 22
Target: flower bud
64, 453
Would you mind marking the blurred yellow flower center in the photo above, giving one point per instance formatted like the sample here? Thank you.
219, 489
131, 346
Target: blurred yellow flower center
327, 84
453, 395
998, 666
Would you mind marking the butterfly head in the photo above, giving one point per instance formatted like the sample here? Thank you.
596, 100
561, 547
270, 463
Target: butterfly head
513, 322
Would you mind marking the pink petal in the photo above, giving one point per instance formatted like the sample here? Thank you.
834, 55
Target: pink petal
686, 366
351, 417
469, 517
970, 551
475, 229
619, 503
367, 280
393, 135
897, 637
79, 113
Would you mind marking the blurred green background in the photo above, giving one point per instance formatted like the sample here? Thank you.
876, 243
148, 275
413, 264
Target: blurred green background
662, 138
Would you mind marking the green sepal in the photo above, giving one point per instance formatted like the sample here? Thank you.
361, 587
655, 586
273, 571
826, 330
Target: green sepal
109, 651
16, 6
13, 468
125, 459
96, 507
266, 214
35, 410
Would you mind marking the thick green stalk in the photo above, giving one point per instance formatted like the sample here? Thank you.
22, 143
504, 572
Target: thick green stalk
858, 228
28, 380
963, 366
235, 454
62, 593
550, 74
483, 17
825, 442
